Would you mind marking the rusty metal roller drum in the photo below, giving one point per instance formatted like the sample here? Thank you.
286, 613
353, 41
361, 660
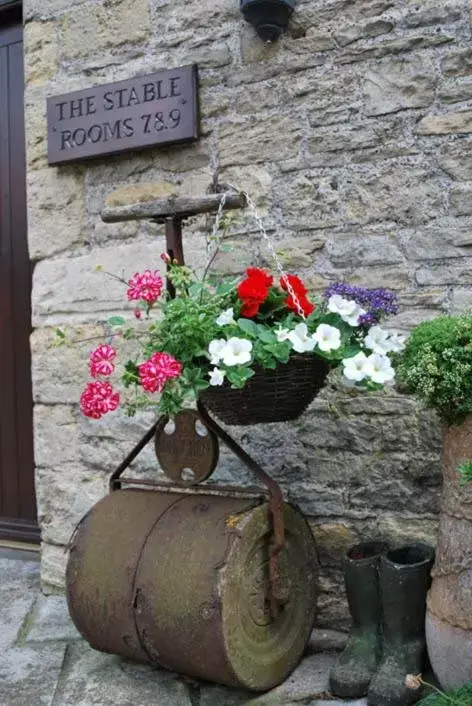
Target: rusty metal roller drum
181, 581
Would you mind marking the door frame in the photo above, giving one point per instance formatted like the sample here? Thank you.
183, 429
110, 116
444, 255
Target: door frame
16, 530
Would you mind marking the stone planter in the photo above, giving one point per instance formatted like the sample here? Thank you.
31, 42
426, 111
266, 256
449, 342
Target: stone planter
449, 613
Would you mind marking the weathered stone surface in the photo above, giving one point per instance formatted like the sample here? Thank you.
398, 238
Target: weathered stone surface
59, 200
36, 129
457, 63
274, 139
350, 250
53, 568
394, 46
372, 28
140, 193
333, 540
455, 158
308, 681
459, 122
20, 580
72, 288
51, 621
392, 193
461, 299
310, 199
64, 495
453, 92
37, 9
431, 13
395, 85
94, 28
30, 675
41, 45
460, 273
93, 676
440, 239
461, 200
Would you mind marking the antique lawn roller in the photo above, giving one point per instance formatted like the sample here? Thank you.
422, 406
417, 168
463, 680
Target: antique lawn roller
215, 582
183, 577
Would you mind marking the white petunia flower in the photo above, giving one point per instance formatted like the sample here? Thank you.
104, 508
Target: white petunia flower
377, 340
396, 342
282, 334
226, 318
237, 352
300, 339
339, 305
353, 319
217, 376
354, 368
328, 338
215, 350
379, 369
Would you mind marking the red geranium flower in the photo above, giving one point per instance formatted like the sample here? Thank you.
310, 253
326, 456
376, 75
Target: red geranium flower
262, 275
98, 399
101, 361
296, 284
155, 372
305, 304
254, 290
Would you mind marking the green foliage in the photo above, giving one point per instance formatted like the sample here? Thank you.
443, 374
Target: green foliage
436, 365
459, 697
465, 471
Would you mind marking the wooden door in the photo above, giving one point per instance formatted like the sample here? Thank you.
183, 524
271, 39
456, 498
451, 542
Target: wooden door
17, 498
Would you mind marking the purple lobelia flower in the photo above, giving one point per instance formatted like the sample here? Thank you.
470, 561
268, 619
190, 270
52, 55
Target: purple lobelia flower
376, 302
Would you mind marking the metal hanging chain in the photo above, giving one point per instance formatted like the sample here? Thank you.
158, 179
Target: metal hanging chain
215, 238
254, 213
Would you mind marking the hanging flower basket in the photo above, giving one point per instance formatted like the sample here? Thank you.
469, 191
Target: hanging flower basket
270, 395
253, 350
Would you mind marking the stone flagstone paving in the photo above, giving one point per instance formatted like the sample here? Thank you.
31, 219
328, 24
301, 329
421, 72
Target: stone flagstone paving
45, 662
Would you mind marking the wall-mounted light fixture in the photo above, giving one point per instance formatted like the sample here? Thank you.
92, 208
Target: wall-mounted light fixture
269, 17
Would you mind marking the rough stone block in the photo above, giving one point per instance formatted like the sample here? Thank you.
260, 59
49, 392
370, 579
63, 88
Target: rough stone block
309, 198
59, 373
56, 210
400, 529
394, 85
393, 46
308, 681
36, 128
95, 28
106, 679
30, 675
70, 289
457, 63
51, 621
443, 238
455, 158
20, 580
53, 568
55, 435
431, 13
435, 274
458, 122
461, 200
333, 539
64, 495
344, 249
273, 139
461, 299
393, 193
40, 46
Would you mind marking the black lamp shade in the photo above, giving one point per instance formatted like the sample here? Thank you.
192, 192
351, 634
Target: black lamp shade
269, 17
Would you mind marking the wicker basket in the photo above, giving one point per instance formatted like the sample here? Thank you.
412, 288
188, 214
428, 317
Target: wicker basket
270, 395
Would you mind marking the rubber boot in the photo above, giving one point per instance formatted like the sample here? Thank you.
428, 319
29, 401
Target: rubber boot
351, 675
404, 582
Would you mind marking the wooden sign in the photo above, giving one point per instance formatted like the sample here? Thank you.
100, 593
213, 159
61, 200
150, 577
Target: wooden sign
158, 109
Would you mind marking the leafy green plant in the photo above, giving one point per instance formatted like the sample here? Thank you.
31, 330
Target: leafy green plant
436, 366
465, 471
459, 697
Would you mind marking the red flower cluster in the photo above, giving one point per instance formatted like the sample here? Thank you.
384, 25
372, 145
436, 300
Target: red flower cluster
147, 286
300, 292
155, 372
97, 399
253, 290
101, 361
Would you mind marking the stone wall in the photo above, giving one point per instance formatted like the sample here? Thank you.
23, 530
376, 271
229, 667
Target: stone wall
353, 134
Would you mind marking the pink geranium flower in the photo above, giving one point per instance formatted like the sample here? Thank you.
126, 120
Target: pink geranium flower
146, 286
101, 361
98, 399
155, 372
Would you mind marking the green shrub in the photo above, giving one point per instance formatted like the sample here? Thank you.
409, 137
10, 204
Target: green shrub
436, 366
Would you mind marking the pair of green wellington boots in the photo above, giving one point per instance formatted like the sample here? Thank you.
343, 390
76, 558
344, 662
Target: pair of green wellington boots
386, 592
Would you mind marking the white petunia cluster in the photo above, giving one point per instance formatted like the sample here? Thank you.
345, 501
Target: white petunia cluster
235, 351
